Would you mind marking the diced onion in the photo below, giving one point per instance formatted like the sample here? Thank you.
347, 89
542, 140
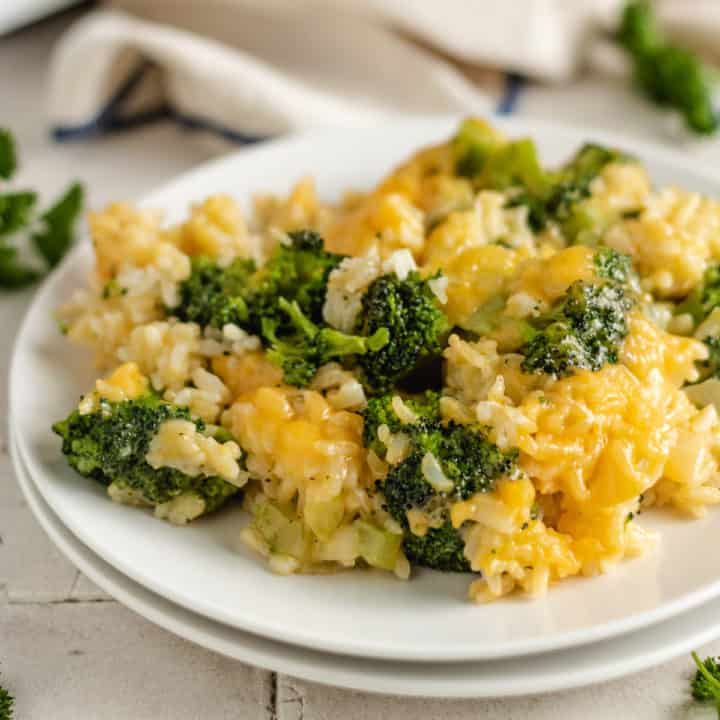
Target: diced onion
378, 547
438, 286
401, 262
705, 393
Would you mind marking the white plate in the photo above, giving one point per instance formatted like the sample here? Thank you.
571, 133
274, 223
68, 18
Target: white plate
203, 568
561, 670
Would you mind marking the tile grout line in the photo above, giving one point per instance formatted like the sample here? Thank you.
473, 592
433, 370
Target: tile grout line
296, 698
75, 582
59, 601
272, 704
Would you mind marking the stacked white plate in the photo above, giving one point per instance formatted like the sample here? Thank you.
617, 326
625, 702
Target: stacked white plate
361, 630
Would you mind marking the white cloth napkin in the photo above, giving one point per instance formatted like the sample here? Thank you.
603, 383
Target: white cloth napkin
255, 68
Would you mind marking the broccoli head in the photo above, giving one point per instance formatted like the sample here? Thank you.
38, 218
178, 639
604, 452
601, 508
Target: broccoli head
612, 265
109, 445
215, 295
405, 488
699, 304
408, 312
379, 411
440, 548
497, 164
514, 164
572, 182
244, 295
474, 142
584, 330
296, 272
558, 196
483, 155
668, 75
704, 298
309, 346
446, 463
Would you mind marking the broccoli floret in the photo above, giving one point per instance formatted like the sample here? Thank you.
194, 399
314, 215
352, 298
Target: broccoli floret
515, 164
282, 301
474, 142
705, 685
215, 492
468, 459
469, 462
246, 296
408, 311
405, 488
494, 163
441, 548
215, 295
571, 183
699, 304
704, 298
297, 272
668, 75
7, 701
301, 353
109, 445
710, 367
612, 265
557, 197
584, 330
379, 411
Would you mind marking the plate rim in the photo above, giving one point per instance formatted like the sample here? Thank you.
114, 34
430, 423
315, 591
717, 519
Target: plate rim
540, 644
302, 662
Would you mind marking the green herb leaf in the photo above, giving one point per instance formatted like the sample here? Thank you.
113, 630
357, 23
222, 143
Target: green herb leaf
8, 157
15, 210
56, 237
14, 274
6, 704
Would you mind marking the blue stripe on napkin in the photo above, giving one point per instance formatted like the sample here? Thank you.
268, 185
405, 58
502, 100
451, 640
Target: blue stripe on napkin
513, 87
109, 118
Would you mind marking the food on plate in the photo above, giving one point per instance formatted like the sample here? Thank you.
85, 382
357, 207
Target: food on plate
481, 365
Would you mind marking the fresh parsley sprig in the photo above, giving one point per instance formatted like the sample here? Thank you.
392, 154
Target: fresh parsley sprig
50, 233
705, 685
8, 160
6, 704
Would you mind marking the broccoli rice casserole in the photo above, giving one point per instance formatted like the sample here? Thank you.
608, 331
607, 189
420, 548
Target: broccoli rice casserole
481, 365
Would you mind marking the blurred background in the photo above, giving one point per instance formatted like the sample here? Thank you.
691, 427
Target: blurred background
239, 71
125, 94
155, 86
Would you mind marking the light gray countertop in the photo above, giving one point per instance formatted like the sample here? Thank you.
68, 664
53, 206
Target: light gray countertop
67, 650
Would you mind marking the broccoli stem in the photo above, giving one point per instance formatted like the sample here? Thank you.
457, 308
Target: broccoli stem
339, 344
300, 354
306, 326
